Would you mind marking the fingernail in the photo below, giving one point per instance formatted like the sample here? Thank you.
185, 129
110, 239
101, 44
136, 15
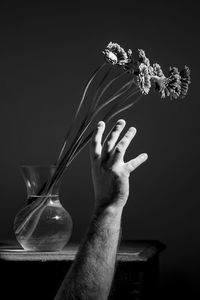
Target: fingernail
133, 129
121, 121
101, 123
144, 156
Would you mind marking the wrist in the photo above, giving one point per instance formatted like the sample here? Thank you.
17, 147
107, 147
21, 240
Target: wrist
111, 209
111, 203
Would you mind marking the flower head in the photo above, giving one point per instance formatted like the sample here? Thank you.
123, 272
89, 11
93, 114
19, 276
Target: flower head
142, 58
116, 55
185, 81
171, 85
175, 85
156, 70
157, 76
144, 79
129, 66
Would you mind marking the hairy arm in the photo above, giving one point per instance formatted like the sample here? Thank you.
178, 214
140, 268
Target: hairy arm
90, 276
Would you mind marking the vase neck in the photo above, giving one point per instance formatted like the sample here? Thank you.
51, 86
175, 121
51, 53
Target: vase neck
49, 197
37, 180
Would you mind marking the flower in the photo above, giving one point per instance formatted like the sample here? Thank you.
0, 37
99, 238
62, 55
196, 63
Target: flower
129, 65
167, 86
140, 67
116, 55
144, 79
157, 71
142, 58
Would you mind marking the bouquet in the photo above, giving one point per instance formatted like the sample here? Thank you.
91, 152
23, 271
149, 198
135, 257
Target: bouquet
135, 79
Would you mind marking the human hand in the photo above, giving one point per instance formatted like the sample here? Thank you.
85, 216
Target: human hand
110, 173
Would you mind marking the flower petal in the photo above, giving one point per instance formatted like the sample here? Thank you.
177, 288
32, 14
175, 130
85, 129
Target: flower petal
144, 79
185, 81
116, 55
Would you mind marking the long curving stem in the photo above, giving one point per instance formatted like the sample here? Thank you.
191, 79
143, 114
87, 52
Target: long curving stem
78, 109
42, 201
76, 142
107, 117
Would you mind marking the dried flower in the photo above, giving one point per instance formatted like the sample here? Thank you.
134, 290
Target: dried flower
142, 58
116, 55
157, 76
144, 79
167, 86
185, 81
129, 66
157, 71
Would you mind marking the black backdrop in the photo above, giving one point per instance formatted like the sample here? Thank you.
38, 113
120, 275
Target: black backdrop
47, 52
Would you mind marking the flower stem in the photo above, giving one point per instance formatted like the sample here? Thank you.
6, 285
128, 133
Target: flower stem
106, 88
105, 119
78, 138
83, 129
116, 95
94, 101
79, 146
78, 110
93, 112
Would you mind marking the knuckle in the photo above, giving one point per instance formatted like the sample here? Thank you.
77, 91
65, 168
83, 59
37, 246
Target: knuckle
118, 127
114, 170
133, 165
113, 134
119, 148
108, 143
130, 133
122, 143
127, 136
119, 173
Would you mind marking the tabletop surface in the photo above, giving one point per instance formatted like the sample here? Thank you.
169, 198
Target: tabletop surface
128, 251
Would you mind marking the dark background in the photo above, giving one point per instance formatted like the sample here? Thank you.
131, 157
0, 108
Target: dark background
47, 52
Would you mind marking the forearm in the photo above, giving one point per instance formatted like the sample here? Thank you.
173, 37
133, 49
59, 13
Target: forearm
91, 275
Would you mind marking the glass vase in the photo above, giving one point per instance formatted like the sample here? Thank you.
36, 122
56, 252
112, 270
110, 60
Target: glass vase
42, 224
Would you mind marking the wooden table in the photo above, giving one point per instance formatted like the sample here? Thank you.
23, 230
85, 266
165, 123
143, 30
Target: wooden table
38, 275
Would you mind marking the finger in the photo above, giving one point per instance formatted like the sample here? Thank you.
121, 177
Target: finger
95, 146
136, 162
121, 147
113, 136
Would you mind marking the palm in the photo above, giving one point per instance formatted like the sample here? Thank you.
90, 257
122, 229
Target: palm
109, 171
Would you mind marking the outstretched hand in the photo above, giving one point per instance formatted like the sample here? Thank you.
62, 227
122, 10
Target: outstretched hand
109, 171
